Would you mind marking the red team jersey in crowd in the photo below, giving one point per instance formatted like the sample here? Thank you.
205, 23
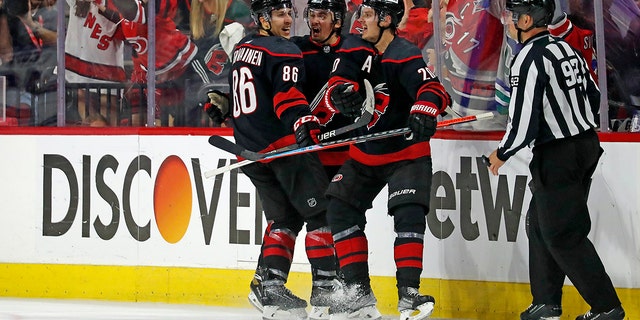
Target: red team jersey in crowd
93, 47
580, 39
417, 30
174, 49
473, 37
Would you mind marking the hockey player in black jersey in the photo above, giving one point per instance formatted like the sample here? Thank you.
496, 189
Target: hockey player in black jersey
269, 111
324, 18
553, 95
408, 94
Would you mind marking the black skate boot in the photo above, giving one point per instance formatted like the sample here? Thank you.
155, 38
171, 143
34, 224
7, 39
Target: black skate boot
354, 303
279, 303
321, 294
614, 314
542, 312
411, 301
273, 299
255, 295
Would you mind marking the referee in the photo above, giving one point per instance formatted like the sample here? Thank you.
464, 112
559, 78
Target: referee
551, 105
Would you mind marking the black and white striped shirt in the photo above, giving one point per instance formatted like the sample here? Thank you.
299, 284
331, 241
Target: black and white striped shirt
552, 95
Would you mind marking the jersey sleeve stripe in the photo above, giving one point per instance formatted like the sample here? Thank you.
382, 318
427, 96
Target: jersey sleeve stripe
282, 101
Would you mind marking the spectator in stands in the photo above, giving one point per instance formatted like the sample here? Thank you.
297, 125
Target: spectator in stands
207, 20
622, 45
94, 55
176, 62
472, 36
96, 120
417, 23
32, 27
6, 48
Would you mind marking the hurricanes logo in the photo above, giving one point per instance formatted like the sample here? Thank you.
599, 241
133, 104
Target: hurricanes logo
216, 58
382, 102
139, 44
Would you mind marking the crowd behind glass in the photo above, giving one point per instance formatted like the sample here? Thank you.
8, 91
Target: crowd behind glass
107, 52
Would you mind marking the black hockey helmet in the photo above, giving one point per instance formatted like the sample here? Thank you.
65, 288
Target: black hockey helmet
393, 8
541, 11
338, 7
264, 8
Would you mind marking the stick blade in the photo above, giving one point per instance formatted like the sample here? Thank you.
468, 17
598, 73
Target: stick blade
228, 146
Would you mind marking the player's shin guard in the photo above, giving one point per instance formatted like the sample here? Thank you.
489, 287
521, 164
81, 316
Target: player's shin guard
352, 250
274, 263
410, 225
277, 252
321, 255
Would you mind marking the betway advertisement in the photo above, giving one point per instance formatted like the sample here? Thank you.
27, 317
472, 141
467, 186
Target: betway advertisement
144, 200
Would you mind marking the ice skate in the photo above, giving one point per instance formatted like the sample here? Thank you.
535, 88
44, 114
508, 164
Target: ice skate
542, 312
614, 314
255, 296
279, 303
321, 295
274, 300
414, 306
354, 304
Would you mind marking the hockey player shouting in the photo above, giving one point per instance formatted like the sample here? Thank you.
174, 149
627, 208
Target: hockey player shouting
268, 112
415, 98
324, 18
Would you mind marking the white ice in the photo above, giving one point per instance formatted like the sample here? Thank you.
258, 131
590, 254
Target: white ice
62, 309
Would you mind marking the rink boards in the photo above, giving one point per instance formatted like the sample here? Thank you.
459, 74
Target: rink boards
129, 216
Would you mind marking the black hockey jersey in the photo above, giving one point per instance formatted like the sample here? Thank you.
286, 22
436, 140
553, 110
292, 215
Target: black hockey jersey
400, 78
318, 61
265, 77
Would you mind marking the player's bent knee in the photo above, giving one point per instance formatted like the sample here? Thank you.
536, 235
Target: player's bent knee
342, 216
293, 223
409, 218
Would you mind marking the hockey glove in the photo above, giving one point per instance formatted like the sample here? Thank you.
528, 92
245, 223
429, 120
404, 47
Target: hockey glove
347, 100
307, 129
422, 121
217, 106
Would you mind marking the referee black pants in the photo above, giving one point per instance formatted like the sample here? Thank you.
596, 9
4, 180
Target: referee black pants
558, 223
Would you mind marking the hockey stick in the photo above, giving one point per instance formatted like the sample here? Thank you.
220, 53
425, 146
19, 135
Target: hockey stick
343, 142
368, 109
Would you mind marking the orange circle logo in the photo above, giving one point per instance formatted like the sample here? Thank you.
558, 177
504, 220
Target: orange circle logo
172, 199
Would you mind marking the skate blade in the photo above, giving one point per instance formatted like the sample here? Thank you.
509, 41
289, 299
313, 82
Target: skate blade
275, 313
255, 302
339, 316
368, 312
319, 313
422, 312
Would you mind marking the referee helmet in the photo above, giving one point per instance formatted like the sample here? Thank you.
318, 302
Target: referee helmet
541, 11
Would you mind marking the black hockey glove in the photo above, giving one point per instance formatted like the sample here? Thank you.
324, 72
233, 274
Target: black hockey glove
422, 121
217, 106
307, 129
347, 100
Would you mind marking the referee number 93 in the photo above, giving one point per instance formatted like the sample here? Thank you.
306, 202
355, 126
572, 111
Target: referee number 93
571, 70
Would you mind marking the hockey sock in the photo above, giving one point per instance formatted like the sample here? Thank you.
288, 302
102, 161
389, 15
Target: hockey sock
277, 253
321, 254
352, 250
267, 230
408, 247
